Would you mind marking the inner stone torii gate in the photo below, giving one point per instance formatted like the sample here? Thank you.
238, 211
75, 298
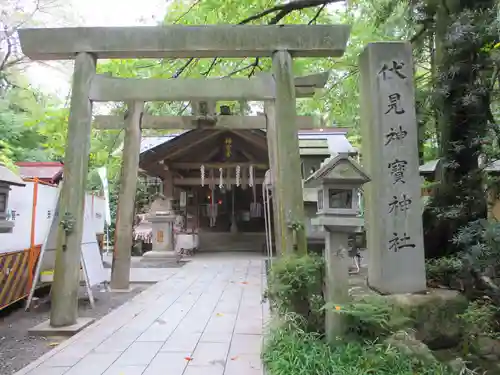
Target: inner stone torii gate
138, 91
86, 45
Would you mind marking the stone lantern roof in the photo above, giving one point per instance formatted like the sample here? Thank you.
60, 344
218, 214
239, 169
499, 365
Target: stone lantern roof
337, 169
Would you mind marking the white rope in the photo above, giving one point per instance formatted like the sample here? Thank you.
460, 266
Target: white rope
202, 171
221, 179
238, 175
250, 176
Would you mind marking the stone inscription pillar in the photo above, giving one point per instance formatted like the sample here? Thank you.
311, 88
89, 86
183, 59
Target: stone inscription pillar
393, 213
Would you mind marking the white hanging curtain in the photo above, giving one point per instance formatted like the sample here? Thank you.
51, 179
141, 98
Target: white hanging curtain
266, 195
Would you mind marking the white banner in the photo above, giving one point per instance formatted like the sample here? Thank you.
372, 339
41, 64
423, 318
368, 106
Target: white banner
103, 174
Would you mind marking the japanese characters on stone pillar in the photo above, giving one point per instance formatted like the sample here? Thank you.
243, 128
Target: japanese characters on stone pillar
390, 155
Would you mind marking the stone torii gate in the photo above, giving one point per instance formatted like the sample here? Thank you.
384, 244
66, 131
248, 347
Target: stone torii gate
86, 45
138, 91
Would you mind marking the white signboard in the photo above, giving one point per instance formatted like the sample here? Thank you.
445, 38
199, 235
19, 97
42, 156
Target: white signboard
45, 211
91, 261
98, 213
19, 209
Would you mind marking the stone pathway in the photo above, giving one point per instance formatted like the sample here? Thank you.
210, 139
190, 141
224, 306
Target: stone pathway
205, 318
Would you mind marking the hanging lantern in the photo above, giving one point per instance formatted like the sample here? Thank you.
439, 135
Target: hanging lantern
238, 175
202, 172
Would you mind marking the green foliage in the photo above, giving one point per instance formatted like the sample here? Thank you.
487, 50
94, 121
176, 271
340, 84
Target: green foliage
20, 137
372, 317
291, 351
444, 271
295, 285
480, 243
463, 90
481, 319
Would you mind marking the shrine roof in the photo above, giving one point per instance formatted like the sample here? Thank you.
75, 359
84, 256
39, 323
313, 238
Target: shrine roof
431, 166
147, 143
42, 170
335, 137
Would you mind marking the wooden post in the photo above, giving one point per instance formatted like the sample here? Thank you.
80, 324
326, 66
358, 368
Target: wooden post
168, 185
272, 149
120, 273
64, 311
289, 192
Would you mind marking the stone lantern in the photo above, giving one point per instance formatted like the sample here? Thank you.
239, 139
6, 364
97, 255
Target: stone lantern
337, 182
162, 219
7, 179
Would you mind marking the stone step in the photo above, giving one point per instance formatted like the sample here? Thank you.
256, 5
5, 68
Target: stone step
231, 241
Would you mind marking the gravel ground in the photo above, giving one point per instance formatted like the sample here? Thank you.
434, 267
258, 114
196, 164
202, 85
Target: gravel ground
18, 349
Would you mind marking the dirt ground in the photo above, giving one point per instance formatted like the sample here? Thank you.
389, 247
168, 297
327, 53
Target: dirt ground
18, 349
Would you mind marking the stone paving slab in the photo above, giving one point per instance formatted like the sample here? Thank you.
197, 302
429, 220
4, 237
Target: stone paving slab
205, 318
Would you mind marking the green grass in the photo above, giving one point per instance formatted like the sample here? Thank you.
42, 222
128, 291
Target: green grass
290, 351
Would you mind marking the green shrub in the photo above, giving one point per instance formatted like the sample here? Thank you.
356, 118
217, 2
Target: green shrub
295, 286
444, 271
373, 317
292, 351
480, 241
481, 319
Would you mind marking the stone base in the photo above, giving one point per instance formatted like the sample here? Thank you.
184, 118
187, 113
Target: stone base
387, 293
161, 256
45, 329
129, 289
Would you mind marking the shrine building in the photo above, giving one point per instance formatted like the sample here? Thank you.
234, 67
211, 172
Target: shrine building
215, 179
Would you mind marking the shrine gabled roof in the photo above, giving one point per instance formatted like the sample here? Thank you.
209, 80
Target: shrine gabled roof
150, 142
42, 170
335, 138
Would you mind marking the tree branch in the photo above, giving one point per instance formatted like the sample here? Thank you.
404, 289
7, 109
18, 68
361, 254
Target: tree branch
281, 11
313, 20
179, 71
253, 66
7, 53
212, 64
284, 9
187, 11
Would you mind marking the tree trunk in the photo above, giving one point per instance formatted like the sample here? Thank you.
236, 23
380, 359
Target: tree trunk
462, 108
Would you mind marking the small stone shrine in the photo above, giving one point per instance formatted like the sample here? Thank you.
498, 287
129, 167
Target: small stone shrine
162, 219
337, 182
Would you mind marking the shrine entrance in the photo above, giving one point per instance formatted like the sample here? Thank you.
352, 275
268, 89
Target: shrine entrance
230, 210
214, 177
